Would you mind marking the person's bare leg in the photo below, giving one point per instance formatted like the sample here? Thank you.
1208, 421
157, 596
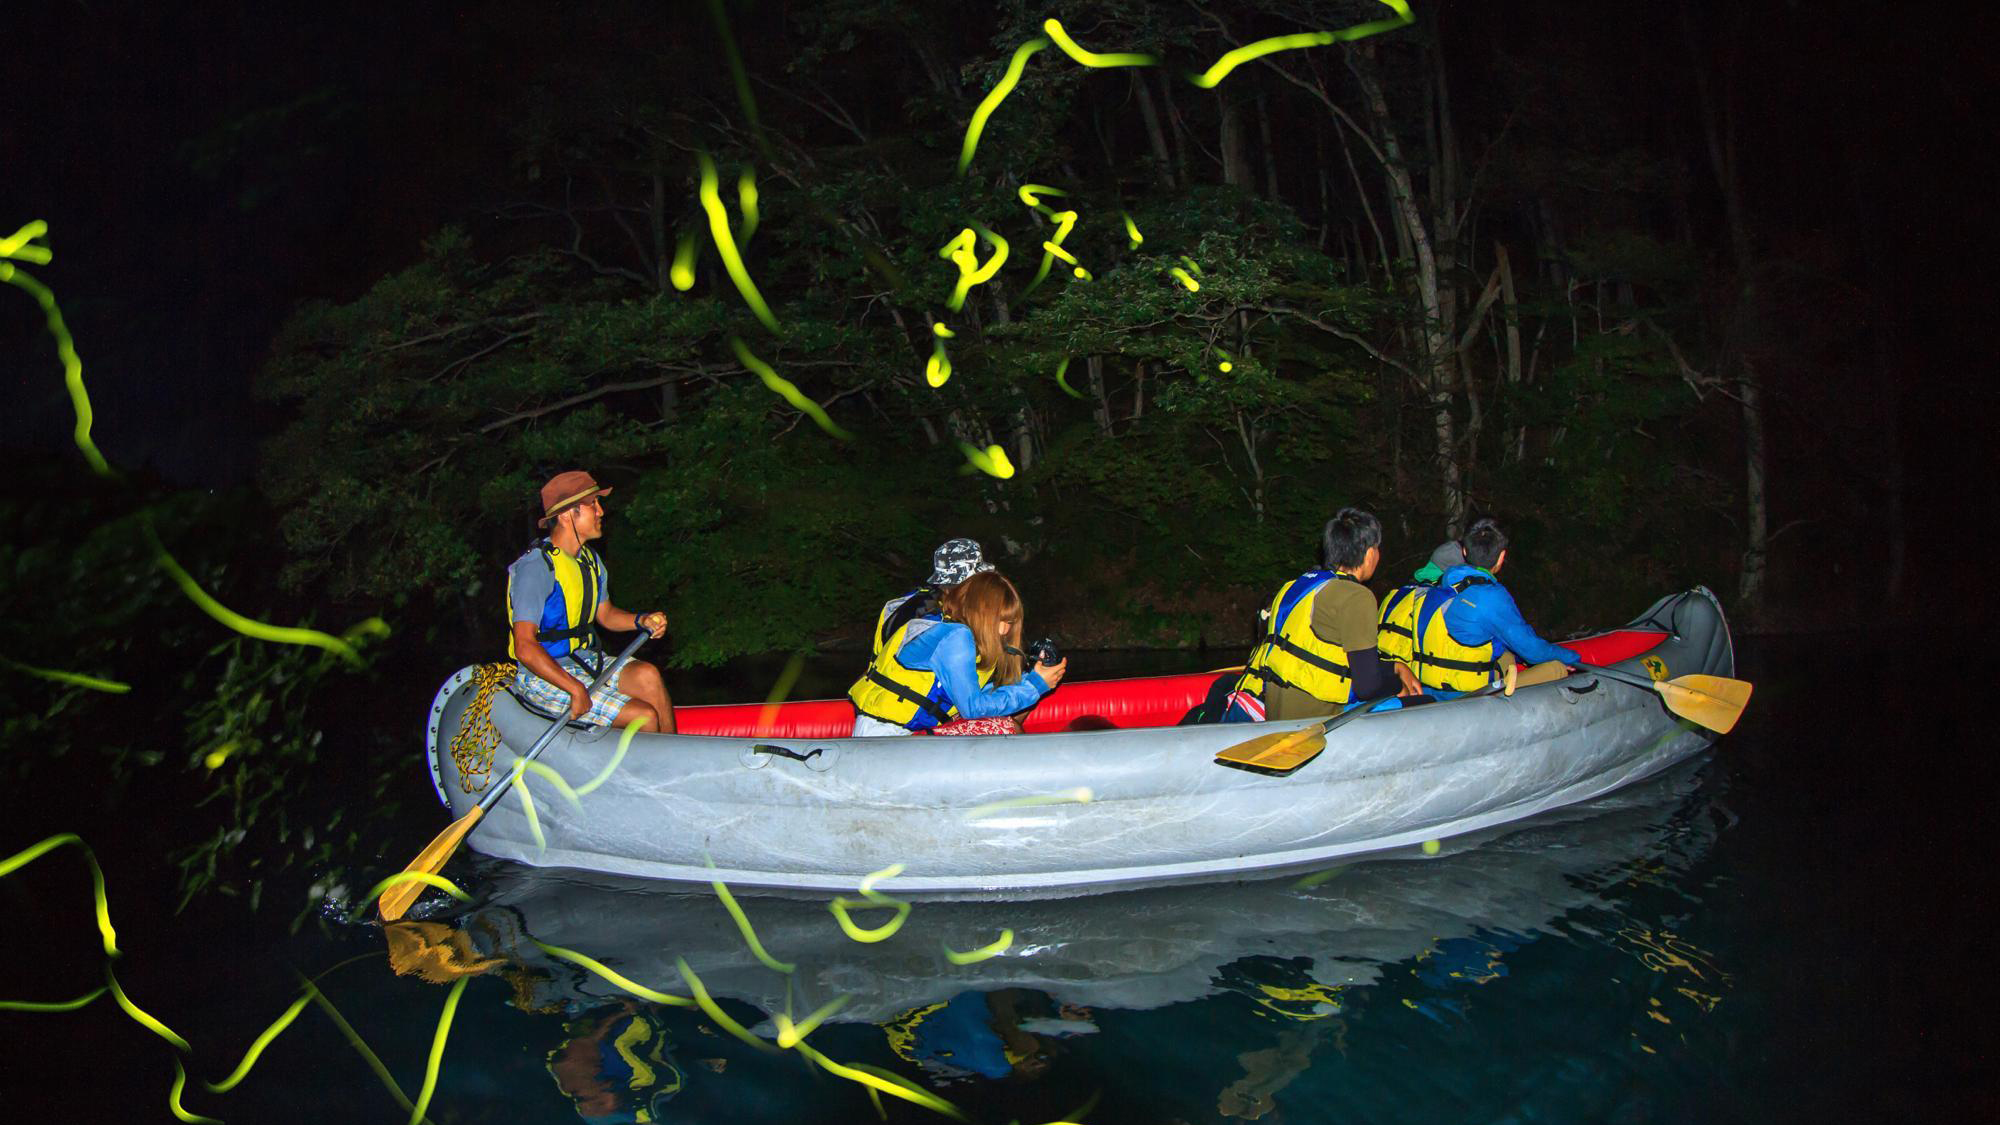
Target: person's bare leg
648, 718
642, 682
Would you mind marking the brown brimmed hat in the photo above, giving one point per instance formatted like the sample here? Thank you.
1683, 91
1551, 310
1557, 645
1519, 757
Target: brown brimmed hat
565, 491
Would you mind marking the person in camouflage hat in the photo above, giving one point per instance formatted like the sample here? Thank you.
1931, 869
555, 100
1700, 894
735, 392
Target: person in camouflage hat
953, 562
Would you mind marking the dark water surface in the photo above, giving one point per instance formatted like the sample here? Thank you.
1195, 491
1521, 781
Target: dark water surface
1786, 928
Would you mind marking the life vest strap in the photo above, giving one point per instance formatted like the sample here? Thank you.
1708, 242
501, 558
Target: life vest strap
1317, 661
1458, 665
924, 703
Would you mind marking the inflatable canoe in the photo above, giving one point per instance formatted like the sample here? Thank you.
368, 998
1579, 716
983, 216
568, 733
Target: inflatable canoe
1102, 792
1141, 950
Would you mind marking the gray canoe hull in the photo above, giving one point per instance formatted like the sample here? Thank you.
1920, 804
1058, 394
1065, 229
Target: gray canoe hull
696, 809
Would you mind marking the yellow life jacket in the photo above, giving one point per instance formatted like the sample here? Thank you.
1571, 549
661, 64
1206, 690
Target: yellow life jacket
1444, 662
1291, 653
892, 692
1396, 629
568, 622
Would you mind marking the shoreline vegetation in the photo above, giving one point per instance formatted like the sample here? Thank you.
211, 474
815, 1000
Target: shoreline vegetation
1410, 274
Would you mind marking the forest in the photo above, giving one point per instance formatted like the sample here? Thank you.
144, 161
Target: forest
818, 286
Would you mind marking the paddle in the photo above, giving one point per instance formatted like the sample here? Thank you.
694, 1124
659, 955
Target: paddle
431, 860
1715, 702
1285, 751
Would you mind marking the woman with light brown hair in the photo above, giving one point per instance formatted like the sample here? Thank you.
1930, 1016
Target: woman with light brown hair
964, 667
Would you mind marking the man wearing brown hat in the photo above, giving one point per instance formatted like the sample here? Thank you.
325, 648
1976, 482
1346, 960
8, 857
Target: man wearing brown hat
558, 592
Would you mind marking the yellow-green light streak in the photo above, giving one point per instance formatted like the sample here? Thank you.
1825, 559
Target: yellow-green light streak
33, 852
1081, 795
17, 245
1318, 877
256, 630
73, 679
174, 1099
144, 1019
894, 1086
682, 272
258, 1044
1186, 279
437, 1051
1065, 222
714, 1010
937, 369
984, 952
743, 925
214, 758
871, 897
768, 714
360, 1045
1131, 231
547, 773
842, 904
1250, 52
1031, 194
611, 767
787, 390
971, 271
614, 976
942, 330
746, 202
1069, 47
534, 821
994, 97
425, 877
992, 460
1061, 369
725, 245
791, 1035
53, 1005
79, 396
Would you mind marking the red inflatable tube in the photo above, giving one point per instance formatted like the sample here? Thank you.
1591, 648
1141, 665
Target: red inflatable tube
1143, 701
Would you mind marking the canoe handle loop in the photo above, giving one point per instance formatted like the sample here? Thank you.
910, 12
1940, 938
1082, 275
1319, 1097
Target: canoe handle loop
1570, 692
786, 752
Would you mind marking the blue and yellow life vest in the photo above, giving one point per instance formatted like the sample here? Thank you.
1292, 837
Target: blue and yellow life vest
1441, 660
892, 692
568, 622
1396, 628
1291, 653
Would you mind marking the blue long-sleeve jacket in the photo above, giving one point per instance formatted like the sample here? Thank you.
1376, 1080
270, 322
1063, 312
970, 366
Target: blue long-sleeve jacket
947, 649
1486, 613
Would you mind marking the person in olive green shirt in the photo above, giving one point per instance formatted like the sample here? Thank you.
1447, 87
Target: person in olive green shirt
1342, 617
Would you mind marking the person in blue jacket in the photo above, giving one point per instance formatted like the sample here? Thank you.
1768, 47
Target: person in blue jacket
1469, 621
964, 666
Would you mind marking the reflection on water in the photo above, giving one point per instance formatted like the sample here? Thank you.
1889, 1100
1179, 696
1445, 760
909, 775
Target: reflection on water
1232, 1001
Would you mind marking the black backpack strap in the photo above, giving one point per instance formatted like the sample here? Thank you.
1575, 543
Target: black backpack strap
924, 702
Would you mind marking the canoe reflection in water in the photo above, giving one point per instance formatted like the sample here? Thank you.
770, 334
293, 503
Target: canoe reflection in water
1295, 948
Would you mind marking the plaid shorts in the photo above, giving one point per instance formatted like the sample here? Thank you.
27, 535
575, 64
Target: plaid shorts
605, 703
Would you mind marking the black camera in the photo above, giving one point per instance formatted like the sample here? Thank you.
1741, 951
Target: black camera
1043, 651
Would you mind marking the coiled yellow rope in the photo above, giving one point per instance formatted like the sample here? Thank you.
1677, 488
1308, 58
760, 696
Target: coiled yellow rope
473, 745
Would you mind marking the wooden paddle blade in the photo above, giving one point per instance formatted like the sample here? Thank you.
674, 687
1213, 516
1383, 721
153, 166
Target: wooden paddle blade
1281, 751
1715, 702
1547, 672
397, 899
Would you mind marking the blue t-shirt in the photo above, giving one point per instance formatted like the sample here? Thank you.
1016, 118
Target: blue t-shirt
948, 649
1487, 613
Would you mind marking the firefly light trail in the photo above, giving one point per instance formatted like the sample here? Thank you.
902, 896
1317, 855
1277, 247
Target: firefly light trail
18, 246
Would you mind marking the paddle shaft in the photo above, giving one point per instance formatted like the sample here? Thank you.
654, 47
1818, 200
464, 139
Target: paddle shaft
1633, 678
500, 787
431, 860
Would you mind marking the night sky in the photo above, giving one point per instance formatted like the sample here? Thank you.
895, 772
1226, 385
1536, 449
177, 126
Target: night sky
203, 167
